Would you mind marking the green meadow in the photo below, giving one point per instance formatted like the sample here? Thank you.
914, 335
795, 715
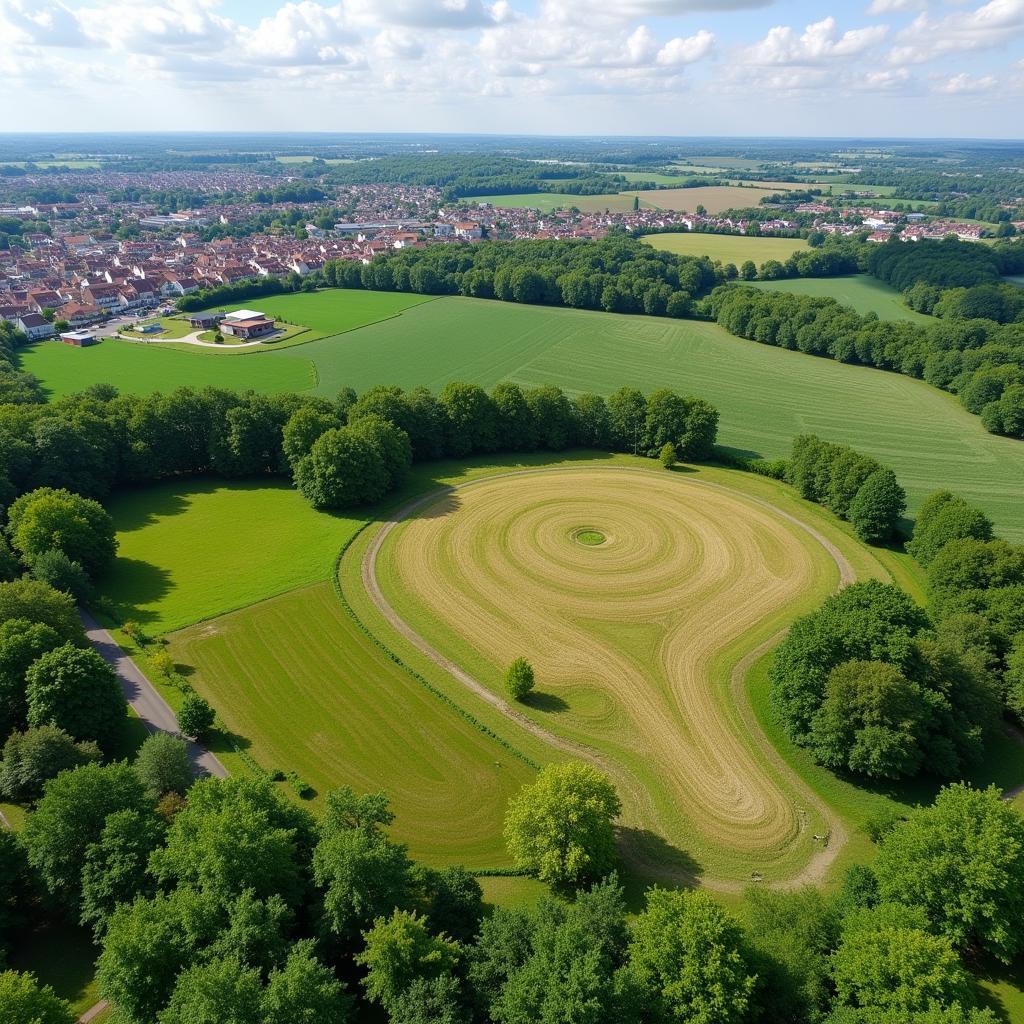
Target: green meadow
736, 249
141, 369
863, 293
189, 550
766, 395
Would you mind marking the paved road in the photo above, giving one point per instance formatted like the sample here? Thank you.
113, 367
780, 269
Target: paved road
154, 711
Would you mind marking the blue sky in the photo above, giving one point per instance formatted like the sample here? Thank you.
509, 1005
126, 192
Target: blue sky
673, 67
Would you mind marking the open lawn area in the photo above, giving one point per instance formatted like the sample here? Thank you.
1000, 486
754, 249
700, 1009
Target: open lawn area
735, 249
863, 293
766, 395
297, 678
141, 369
337, 310
714, 198
548, 201
192, 549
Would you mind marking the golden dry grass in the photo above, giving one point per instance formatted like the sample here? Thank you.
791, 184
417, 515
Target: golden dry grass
638, 643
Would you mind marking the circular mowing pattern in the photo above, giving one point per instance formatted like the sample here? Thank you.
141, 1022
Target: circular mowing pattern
590, 538
639, 644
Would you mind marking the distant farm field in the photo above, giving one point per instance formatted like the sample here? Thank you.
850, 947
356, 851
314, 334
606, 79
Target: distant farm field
714, 198
736, 249
299, 681
765, 395
863, 293
142, 369
192, 549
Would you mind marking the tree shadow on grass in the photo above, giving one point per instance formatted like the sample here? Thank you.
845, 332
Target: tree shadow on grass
549, 703
996, 974
133, 582
653, 860
724, 452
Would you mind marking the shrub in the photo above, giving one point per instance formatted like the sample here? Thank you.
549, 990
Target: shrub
195, 717
519, 679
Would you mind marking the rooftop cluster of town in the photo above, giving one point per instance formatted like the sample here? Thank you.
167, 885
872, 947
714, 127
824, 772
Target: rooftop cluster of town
109, 250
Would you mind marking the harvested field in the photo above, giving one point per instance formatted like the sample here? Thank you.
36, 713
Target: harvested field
714, 198
637, 643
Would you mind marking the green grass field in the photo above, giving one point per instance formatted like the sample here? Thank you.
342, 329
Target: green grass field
196, 548
735, 249
337, 310
142, 369
765, 395
298, 679
863, 293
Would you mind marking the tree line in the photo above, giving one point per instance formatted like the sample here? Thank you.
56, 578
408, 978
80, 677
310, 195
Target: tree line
224, 901
345, 451
617, 275
981, 361
875, 685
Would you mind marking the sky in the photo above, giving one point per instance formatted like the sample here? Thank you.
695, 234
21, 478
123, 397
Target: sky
882, 68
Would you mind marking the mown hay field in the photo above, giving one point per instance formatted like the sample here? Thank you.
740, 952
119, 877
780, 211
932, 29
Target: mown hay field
736, 249
640, 644
192, 549
863, 293
714, 198
310, 692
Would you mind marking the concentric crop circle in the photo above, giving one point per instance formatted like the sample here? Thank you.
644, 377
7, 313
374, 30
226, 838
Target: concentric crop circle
633, 594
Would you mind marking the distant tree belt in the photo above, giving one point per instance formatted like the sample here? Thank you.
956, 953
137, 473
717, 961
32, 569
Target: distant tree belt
618, 275
980, 360
459, 175
343, 452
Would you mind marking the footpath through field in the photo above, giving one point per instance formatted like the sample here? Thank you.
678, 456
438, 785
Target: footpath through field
156, 714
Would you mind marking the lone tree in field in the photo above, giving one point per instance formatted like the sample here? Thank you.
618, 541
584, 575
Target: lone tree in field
667, 455
561, 825
195, 717
519, 679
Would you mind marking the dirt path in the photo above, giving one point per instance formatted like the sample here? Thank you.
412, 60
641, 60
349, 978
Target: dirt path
94, 1011
814, 870
139, 692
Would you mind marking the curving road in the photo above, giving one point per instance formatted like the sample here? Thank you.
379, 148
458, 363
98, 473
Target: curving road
139, 692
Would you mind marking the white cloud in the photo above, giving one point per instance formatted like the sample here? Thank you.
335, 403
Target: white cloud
991, 25
818, 44
448, 14
893, 6
962, 84
686, 51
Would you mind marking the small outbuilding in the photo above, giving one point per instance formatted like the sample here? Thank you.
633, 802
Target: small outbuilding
257, 327
204, 321
80, 339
